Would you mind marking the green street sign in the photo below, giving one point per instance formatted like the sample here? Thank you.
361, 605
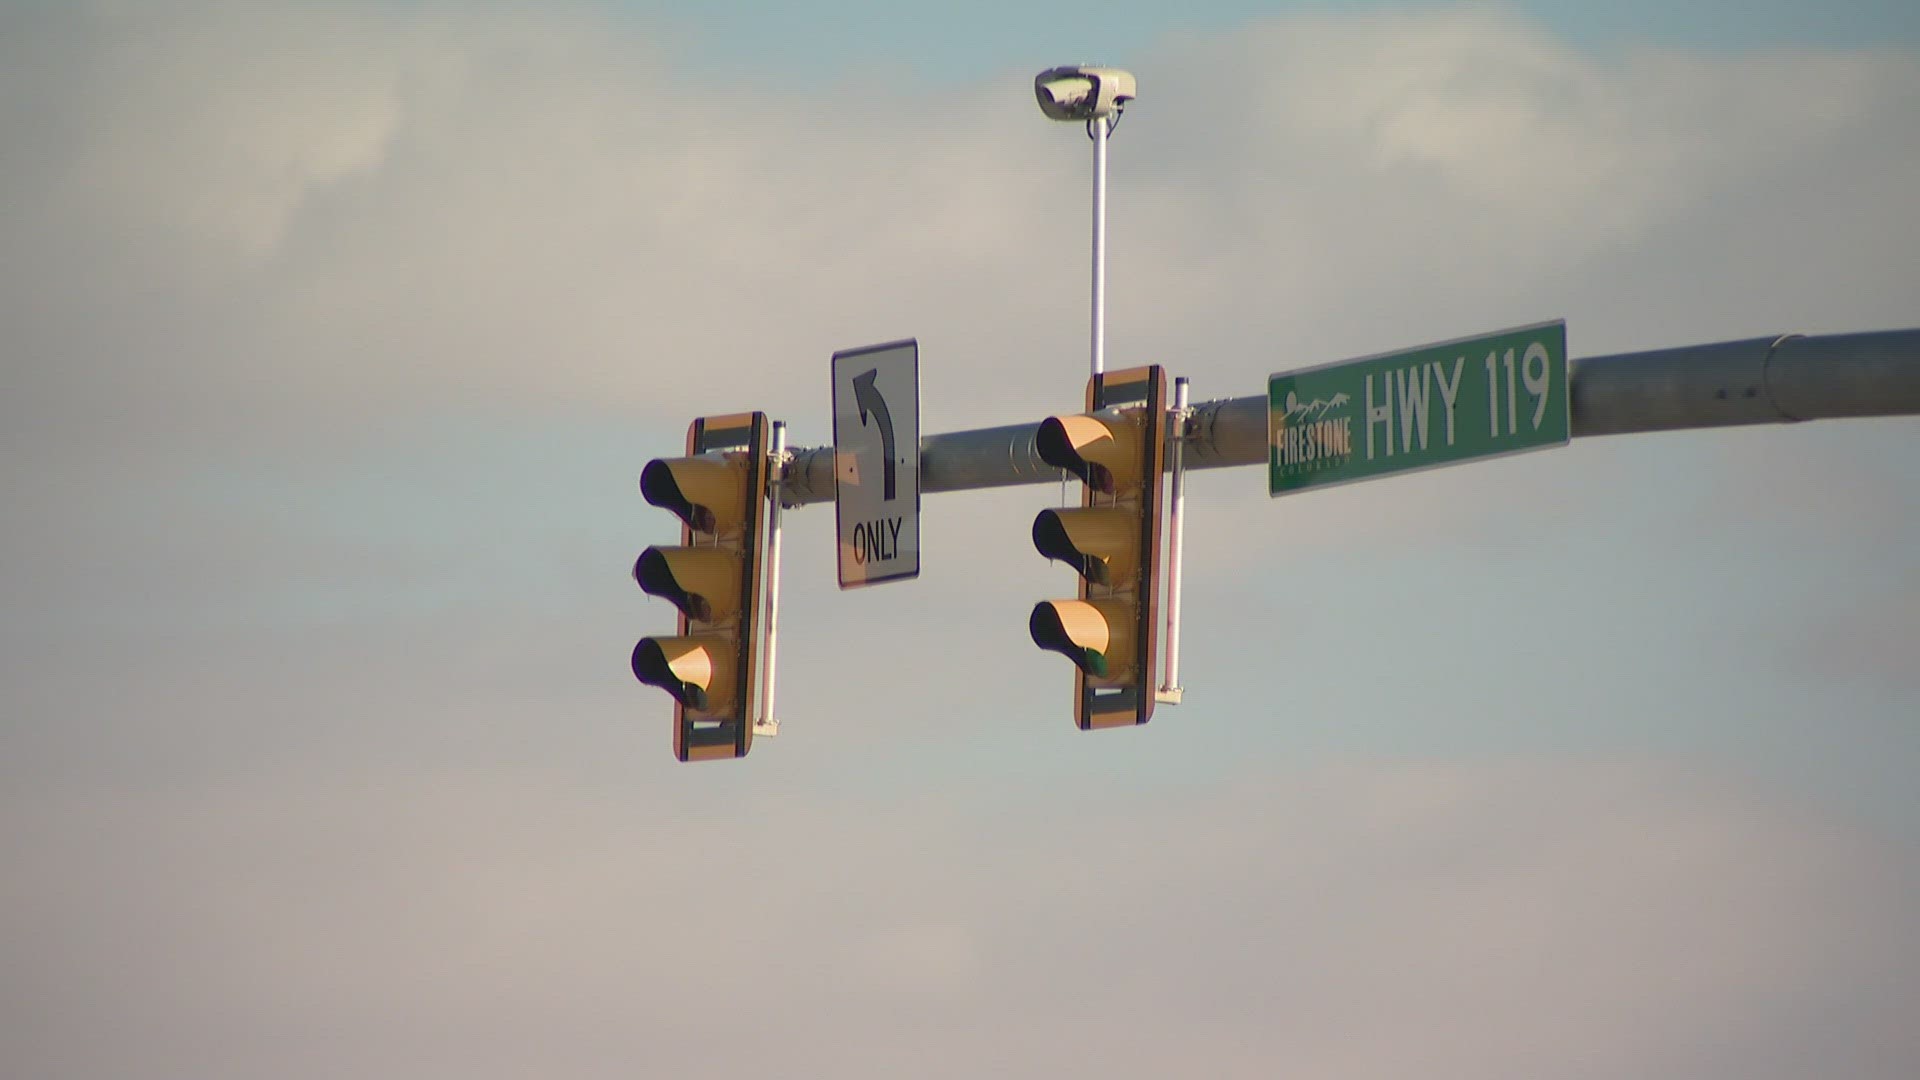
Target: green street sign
1442, 404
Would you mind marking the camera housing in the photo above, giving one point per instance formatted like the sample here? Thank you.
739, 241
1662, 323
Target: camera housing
1082, 93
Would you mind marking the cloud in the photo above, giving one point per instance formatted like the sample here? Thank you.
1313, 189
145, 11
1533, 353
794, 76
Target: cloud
266, 263
327, 229
338, 333
1523, 918
1871, 639
313, 219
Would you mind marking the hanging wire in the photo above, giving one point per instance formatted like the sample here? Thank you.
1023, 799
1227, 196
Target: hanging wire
1112, 123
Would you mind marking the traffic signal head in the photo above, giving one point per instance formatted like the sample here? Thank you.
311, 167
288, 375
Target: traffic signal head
1099, 542
703, 582
1112, 540
691, 487
1103, 451
718, 491
697, 671
1097, 635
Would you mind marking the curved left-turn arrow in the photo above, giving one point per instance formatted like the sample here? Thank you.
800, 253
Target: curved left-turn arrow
870, 400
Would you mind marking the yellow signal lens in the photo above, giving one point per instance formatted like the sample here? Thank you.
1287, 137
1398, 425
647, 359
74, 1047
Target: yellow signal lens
697, 671
704, 583
1097, 635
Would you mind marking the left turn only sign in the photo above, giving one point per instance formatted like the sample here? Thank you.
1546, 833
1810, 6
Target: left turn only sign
876, 455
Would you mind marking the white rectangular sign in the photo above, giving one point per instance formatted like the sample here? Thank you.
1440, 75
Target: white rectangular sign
876, 451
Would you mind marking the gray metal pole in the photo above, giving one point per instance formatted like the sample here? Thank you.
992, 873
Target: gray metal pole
1758, 381
1169, 689
765, 722
1768, 380
955, 461
1099, 128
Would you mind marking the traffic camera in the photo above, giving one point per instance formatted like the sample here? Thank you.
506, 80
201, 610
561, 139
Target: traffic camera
1082, 93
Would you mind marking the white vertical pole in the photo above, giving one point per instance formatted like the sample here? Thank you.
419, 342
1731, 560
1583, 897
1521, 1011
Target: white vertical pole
1169, 690
1098, 128
766, 723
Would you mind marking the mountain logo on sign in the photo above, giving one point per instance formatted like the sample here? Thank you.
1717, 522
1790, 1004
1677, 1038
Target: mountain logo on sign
1317, 408
1307, 438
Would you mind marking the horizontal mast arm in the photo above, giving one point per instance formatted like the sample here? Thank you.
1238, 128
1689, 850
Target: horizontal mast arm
1768, 380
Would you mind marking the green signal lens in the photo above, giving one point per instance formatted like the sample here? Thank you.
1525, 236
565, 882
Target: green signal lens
650, 666
1050, 634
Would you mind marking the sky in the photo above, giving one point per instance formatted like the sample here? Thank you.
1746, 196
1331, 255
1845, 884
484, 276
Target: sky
338, 335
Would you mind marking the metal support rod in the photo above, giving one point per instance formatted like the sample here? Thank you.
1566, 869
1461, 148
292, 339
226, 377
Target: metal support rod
1099, 128
766, 723
1767, 380
1169, 690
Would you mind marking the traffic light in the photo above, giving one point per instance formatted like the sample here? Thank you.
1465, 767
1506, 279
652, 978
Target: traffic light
1112, 540
714, 578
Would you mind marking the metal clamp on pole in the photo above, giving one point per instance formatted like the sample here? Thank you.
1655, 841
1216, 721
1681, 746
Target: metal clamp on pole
765, 722
1169, 691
